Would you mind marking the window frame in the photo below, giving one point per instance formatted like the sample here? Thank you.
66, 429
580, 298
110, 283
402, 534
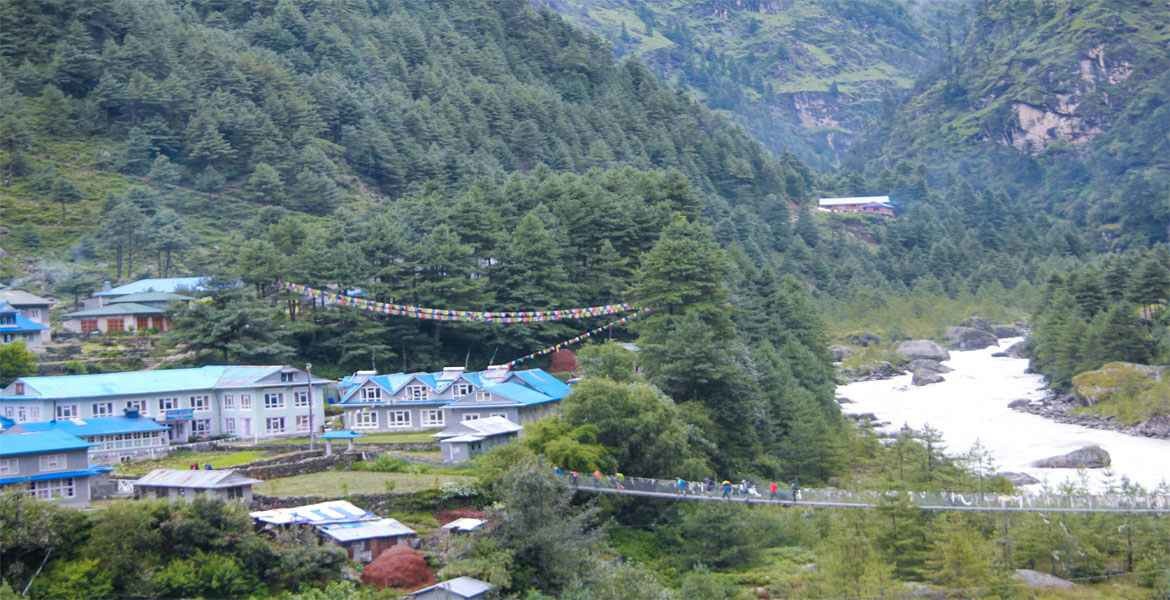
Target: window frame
245, 401
376, 396
278, 396
206, 403
270, 420
141, 404
201, 427
93, 409
302, 423
9, 466
171, 403
469, 416
427, 414
362, 420
51, 463
393, 422
300, 398
60, 412
416, 391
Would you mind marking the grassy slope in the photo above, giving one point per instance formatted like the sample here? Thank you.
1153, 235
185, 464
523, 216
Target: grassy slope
333, 483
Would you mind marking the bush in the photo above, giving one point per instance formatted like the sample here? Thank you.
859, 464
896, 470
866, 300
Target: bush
383, 464
81, 579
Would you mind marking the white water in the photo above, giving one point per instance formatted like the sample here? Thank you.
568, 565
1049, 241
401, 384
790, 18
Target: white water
971, 405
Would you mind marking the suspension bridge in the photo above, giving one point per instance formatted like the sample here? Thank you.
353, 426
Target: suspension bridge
1156, 504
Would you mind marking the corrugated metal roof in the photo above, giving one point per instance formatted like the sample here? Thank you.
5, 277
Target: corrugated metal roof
523, 388
161, 381
477, 430
170, 284
364, 530
333, 511
544, 382
94, 426
23, 298
54, 475
467, 587
192, 478
13, 443
150, 297
20, 323
114, 310
464, 524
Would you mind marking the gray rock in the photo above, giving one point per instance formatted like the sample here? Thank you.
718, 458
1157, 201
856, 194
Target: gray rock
1021, 349
1089, 457
969, 338
1019, 404
1019, 479
928, 365
864, 339
925, 377
840, 353
1006, 331
977, 323
1039, 580
843, 400
871, 372
1158, 426
923, 349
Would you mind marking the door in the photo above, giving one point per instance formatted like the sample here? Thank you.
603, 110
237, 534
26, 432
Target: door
178, 432
245, 427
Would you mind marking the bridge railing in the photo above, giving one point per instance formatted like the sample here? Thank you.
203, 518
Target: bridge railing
831, 497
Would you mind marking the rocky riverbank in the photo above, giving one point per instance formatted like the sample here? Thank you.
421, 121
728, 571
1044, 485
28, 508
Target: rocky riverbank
1062, 408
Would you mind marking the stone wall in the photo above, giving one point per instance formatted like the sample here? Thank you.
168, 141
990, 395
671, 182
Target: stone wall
313, 464
341, 446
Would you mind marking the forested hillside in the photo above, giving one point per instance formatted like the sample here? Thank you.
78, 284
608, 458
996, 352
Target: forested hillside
1062, 103
801, 76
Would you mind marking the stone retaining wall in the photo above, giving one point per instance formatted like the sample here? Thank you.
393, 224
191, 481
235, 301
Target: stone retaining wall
312, 464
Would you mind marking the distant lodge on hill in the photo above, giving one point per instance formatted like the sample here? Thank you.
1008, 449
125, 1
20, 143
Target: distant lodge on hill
874, 205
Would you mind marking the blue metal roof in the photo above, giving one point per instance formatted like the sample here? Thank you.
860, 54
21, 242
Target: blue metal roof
161, 381
21, 324
95, 426
14, 443
90, 472
169, 285
344, 434
544, 382
527, 387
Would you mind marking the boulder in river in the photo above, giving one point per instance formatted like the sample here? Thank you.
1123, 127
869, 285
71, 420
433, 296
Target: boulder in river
1041, 580
1089, 457
843, 400
925, 377
864, 339
1019, 404
1019, 479
1019, 349
969, 338
928, 365
978, 323
840, 353
1004, 330
923, 349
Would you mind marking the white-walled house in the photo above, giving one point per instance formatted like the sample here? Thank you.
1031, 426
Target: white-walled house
249, 402
50, 465
416, 401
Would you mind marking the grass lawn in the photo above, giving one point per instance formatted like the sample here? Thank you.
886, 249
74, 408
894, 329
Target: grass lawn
183, 460
405, 437
340, 483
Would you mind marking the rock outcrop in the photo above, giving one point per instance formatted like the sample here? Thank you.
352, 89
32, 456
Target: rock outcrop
925, 377
1007, 331
871, 372
864, 339
1092, 387
1040, 580
1022, 403
1019, 479
969, 338
1019, 349
928, 365
923, 349
978, 323
1089, 457
840, 353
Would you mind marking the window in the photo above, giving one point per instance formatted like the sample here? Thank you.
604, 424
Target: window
245, 401
142, 323
102, 409
398, 418
67, 411
229, 425
138, 405
483, 396
200, 403
274, 425
88, 326
201, 427
21, 416
19, 388
168, 404
288, 376
300, 399
9, 466
462, 389
371, 393
10, 412
470, 416
47, 490
416, 392
115, 325
302, 422
235, 493
366, 419
53, 462
498, 415
229, 401
432, 417
274, 400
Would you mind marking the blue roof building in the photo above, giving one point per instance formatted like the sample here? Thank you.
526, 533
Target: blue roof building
112, 439
16, 327
169, 285
50, 465
414, 401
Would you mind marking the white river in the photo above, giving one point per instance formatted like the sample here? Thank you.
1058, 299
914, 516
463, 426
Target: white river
971, 406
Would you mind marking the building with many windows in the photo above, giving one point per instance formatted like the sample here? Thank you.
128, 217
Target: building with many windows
249, 402
189, 484
32, 306
414, 401
51, 465
112, 439
16, 327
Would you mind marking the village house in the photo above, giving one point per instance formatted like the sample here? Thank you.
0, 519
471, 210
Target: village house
249, 402
363, 534
874, 205
15, 327
189, 484
463, 441
32, 306
168, 285
112, 439
416, 401
50, 465
144, 312
460, 588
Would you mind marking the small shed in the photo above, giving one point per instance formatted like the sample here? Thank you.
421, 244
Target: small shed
462, 441
180, 484
460, 588
346, 435
363, 534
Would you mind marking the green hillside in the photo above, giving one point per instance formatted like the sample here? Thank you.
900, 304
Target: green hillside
1064, 103
801, 76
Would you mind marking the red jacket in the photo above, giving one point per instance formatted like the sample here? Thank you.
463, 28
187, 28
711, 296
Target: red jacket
772, 488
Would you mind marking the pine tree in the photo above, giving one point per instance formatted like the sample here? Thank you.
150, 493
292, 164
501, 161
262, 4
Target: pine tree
64, 192
140, 152
314, 193
168, 238
1151, 284
264, 186
1119, 335
165, 172
902, 535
